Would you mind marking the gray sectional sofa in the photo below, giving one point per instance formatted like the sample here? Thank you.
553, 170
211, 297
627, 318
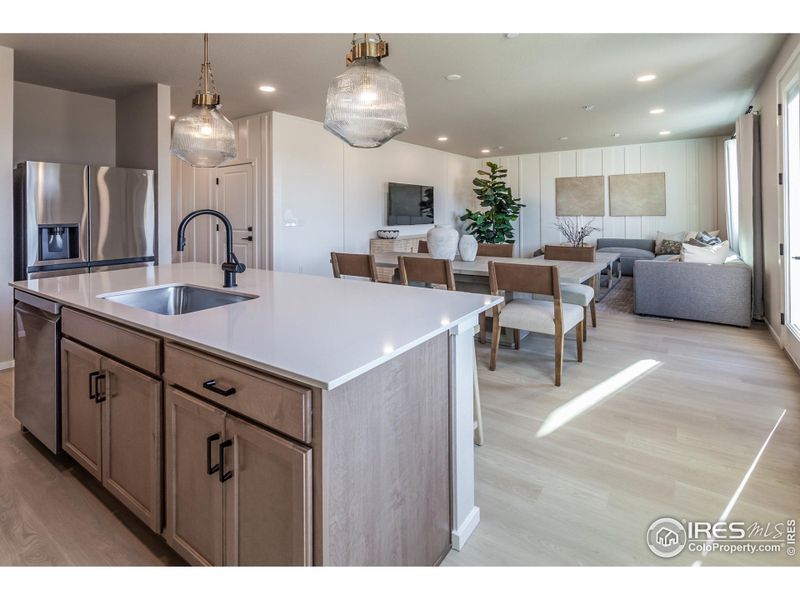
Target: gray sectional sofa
694, 291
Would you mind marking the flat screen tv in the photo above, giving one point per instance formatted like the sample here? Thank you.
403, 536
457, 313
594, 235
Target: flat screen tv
410, 204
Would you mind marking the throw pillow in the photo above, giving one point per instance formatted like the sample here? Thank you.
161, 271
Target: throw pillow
709, 238
671, 247
696, 242
714, 255
661, 236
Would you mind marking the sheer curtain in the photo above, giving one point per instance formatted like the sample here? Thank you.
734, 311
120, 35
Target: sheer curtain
732, 193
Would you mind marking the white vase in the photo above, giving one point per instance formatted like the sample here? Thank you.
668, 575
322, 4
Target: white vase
468, 247
442, 242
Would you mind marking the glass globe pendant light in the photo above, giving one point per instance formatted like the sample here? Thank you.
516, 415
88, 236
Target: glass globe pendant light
366, 106
204, 137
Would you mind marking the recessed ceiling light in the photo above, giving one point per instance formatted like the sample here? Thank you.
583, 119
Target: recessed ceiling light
266, 88
656, 111
499, 147
563, 138
616, 134
485, 151
643, 78
588, 107
452, 77
442, 138
511, 36
664, 132
172, 117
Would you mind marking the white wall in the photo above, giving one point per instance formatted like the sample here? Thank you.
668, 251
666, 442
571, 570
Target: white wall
6, 204
766, 101
695, 198
328, 196
60, 126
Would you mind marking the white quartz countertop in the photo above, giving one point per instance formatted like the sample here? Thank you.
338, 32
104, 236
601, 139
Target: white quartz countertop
317, 330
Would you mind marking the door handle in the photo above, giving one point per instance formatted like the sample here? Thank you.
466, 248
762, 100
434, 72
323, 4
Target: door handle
94, 392
223, 476
249, 238
796, 258
209, 468
211, 385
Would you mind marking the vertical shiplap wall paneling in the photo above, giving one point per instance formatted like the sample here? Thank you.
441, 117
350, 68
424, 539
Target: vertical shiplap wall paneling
633, 164
590, 162
692, 193
531, 195
512, 180
708, 212
613, 164
547, 181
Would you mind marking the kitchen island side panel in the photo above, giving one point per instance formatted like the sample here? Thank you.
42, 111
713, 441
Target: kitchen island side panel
383, 483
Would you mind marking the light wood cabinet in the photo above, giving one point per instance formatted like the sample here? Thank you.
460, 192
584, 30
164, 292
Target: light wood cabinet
111, 425
237, 494
193, 433
81, 422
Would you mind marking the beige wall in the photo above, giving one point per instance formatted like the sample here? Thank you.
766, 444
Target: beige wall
766, 101
60, 126
6, 204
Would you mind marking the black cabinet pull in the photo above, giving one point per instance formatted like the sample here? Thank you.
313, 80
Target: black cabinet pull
209, 440
94, 392
211, 384
223, 476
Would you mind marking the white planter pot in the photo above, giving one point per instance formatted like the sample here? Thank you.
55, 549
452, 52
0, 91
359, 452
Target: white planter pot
468, 247
442, 242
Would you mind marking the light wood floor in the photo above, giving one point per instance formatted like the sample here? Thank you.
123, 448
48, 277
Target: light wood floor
677, 441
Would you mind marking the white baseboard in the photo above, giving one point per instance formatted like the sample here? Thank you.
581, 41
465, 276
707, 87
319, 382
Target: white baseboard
774, 334
9, 364
459, 536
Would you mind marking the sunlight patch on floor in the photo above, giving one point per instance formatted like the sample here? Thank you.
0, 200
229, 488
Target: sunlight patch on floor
594, 396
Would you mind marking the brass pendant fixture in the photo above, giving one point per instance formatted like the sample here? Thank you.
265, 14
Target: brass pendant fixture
366, 105
204, 137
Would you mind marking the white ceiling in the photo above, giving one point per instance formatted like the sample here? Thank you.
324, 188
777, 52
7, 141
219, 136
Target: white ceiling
522, 93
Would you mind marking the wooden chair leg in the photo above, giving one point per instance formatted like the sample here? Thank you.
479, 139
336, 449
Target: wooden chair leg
580, 332
482, 333
516, 339
559, 339
594, 312
585, 320
476, 403
495, 344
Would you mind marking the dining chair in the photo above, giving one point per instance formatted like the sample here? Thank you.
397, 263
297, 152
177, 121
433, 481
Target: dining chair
499, 251
551, 317
354, 265
439, 271
577, 293
422, 247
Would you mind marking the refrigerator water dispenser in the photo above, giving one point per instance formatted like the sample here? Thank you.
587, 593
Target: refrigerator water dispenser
58, 242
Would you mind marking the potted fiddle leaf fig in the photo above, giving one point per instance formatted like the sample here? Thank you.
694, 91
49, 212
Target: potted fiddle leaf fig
494, 224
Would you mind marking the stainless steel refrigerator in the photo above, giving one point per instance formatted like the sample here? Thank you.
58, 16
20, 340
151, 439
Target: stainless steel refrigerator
78, 218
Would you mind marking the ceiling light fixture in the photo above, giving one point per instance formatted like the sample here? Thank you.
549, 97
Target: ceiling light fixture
615, 134
588, 107
644, 78
366, 105
452, 77
656, 111
266, 88
563, 138
664, 132
485, 151
172, 117
511, 36
442, 138
204, 137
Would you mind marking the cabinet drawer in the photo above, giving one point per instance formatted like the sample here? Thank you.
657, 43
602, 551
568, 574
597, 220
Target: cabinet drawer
275, 403
130, 346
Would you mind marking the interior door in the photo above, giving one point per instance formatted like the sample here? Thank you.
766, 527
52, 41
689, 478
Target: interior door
132, 441
267, 498
195, 519
236, 199
790, 93
80, 422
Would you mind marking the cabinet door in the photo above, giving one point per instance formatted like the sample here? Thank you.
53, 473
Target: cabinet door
193, 432
132, 441
267, 498
80, 412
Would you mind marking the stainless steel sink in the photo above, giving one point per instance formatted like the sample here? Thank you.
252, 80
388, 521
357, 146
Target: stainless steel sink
177, 299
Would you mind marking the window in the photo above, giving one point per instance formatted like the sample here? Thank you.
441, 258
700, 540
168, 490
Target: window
732, 193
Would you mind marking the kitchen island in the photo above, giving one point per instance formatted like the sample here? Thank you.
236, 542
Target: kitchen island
317, 421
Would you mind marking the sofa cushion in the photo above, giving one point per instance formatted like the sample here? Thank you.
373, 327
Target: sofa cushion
661, 237
635, 253
713, 255
668, 258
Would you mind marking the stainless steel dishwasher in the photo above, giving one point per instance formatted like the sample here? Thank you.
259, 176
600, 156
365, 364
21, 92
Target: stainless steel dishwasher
37, 367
